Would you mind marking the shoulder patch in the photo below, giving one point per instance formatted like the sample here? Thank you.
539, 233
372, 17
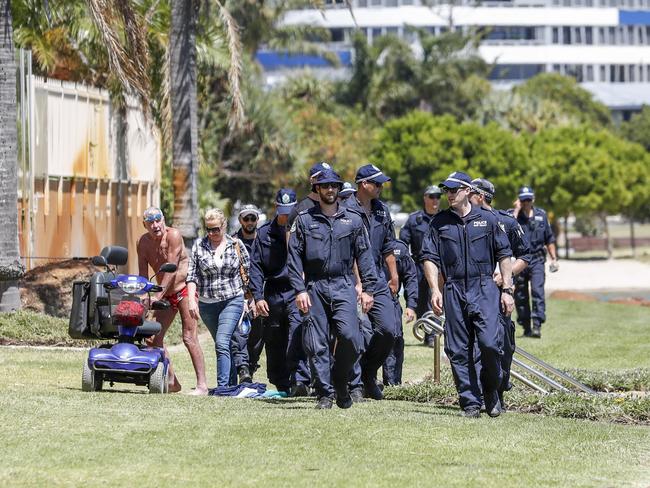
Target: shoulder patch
293, 227
502, 226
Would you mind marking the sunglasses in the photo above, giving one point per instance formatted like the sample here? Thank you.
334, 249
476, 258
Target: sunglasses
455, 190
153, 218
327, 186
433, 196
249, 218
213, 230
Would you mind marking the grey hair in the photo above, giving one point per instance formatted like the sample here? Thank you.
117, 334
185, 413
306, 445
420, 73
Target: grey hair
152, 211
214, 214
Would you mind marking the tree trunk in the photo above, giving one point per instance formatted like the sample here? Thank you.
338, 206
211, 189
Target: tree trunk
10, 267
567, 244
182, 44
608, 236
632, 237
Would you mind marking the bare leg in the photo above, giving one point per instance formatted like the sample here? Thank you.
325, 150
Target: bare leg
191, 341
165, 317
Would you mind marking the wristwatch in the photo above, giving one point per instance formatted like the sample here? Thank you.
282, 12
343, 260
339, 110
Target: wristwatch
510, 291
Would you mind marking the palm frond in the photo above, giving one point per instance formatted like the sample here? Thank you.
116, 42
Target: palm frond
235, 69
129, 64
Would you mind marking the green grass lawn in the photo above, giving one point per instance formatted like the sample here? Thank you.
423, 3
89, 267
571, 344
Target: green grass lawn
52, 434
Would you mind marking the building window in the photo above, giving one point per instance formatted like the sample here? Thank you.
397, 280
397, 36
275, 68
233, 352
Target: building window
603, 73
621, 72
612, 35
390, 3
556, 35
577, 35
589, 35
566, 35
337, 35
630, 73
590, 73
601, 35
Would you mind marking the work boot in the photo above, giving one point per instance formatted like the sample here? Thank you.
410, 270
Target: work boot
343, 398
299, 390
536, 332
357, 395
430, 342
492, 404
471, 412
324, 403
244, 375
527, 332
371, 390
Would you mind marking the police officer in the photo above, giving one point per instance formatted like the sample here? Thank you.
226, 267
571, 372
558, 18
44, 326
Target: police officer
413, 233
534, 222
311, 200
408, 280
379, 225
481, 196
325, 242
246, 347
286, 363
464, 245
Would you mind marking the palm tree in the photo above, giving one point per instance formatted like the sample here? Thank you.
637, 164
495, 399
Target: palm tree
10, 267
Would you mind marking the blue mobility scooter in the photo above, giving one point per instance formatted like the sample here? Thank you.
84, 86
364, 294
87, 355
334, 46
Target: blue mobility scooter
114, 306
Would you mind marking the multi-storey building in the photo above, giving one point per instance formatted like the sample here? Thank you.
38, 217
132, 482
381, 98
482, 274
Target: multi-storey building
604, 44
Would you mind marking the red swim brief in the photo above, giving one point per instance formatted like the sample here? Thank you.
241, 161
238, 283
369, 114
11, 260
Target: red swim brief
175, 298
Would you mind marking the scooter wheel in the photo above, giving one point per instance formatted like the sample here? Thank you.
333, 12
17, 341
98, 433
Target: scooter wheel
90, 380
158, 379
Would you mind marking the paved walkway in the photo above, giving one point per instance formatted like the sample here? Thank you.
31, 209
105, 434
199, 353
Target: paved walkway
615, 274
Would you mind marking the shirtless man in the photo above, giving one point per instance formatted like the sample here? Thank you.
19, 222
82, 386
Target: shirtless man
160, 245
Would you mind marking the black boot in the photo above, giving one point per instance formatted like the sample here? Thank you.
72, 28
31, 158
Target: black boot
324, 403
244, 375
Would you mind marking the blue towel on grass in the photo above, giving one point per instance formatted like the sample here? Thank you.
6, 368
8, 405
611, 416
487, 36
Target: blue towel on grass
245, 390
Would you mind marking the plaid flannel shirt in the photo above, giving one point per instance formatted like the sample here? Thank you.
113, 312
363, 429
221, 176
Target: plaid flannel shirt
220, 283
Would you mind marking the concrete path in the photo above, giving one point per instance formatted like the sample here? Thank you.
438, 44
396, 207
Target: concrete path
615, 274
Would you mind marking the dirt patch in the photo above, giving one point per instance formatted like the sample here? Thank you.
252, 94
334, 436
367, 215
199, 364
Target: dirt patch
48, 289
632, 301
573, 296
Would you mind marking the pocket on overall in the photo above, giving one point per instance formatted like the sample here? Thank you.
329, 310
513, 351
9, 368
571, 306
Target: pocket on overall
480, 249
449, 249
315, 242
344, 245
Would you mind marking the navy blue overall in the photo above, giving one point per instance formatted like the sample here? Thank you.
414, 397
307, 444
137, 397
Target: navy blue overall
466, 251
322, 252
245, 349
539, 234
286, 363
379, 227
413, 233
408, 281
519, 246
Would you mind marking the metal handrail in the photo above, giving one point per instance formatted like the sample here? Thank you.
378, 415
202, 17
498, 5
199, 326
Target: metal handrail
430, 323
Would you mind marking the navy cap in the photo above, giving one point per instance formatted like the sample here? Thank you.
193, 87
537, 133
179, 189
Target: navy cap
285, 200
371, 173
347, 189
248, 209
318, 168
327, 176
456, 179
484, 187
433, 190
526, 193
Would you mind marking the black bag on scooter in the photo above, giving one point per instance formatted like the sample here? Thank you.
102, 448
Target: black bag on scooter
78, 328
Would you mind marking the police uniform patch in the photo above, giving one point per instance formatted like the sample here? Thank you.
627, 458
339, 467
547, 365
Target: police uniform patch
502, 226
326, 166
286, 198
539, 217
397, 252
480, 223
293, 227
346, 221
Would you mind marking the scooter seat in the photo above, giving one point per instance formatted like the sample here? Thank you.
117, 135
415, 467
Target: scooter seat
148, 328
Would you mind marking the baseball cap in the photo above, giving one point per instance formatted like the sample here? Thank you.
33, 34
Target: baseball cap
483, 186
285, 200
456, 179
248, 209
433, 190
328, 176
526, 193
318, 168
371, 173
347, 189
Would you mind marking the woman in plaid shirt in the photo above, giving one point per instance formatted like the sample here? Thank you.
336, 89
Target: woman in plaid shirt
214, 272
